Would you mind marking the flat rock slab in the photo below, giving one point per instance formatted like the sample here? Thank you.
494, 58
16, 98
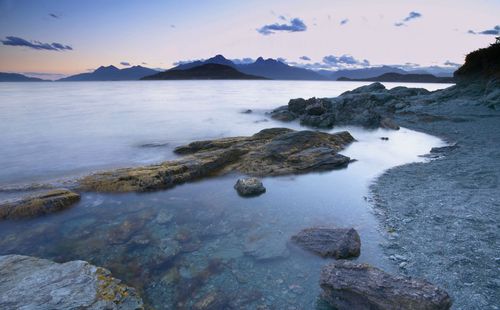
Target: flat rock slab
270, 152
33, 283
330, 242
249, 187
347, 285
44, 203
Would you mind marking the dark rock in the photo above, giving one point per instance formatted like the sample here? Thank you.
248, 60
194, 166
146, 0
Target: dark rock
347, 285
274, 151
444, 149
297, 105
370, 106
315, 108
249, 187
34, 283
384, 138
389, 124
43, 203
284, 116
328, 242
249, 111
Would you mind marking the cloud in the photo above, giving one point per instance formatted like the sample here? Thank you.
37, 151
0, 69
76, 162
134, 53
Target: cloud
493, 31
294, 25
305, 58
172, 26
242, 61
451, 64
281, 59
344, 60
53, 15
412, 15
125, 64
183, 62
344, 21
36, 45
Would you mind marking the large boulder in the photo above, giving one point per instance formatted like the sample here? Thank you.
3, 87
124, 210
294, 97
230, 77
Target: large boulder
330, 242
43, 203
347, 285
249, 187
270, 152
34, 283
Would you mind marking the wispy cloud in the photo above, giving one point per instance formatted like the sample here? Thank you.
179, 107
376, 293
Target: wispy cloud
412, 15
36, 45
451, 64
344, 21
125, 63
331, 62
344, 60
53, 15
493, 31
294, 25
241, 61
305, 58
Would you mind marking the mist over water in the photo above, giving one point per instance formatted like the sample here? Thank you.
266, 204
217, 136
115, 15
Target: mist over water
163, 242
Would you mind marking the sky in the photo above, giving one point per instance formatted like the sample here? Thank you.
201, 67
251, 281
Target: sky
58, 37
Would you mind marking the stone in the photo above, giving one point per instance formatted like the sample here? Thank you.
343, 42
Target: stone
389, 124
444, 149
330, 242
33, 283
249, 187
369, 106
347, 285
267, 248
39, 204
297, 105
270, 152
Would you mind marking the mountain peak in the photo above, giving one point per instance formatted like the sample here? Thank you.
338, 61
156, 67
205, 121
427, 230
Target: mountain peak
108, 68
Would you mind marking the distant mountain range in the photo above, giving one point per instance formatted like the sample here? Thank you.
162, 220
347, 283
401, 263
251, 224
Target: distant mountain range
16, 77
398, 77
268, 68
208, 71
112, 73
261, 68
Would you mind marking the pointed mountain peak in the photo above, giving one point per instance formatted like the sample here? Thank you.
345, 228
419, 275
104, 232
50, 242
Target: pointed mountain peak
259, 60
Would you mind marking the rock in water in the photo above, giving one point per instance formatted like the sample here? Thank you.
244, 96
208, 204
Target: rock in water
249, 187
329, 242
270, 152
33, 283
46, 202
347, 285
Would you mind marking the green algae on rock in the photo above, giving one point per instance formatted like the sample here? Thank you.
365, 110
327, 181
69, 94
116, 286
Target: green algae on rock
36, 205
270, 152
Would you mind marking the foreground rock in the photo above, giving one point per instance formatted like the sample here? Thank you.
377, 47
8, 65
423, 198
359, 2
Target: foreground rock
270, 152
33, 283
44, 203
249, 187
347, 285
330, 242
369, 106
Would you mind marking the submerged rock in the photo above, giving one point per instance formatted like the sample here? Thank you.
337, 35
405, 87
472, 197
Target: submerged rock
249, 187
34, 283
347, 285
43, 203
330, 242
270, 152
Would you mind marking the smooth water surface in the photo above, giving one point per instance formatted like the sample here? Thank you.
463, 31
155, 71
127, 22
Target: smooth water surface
200, 240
